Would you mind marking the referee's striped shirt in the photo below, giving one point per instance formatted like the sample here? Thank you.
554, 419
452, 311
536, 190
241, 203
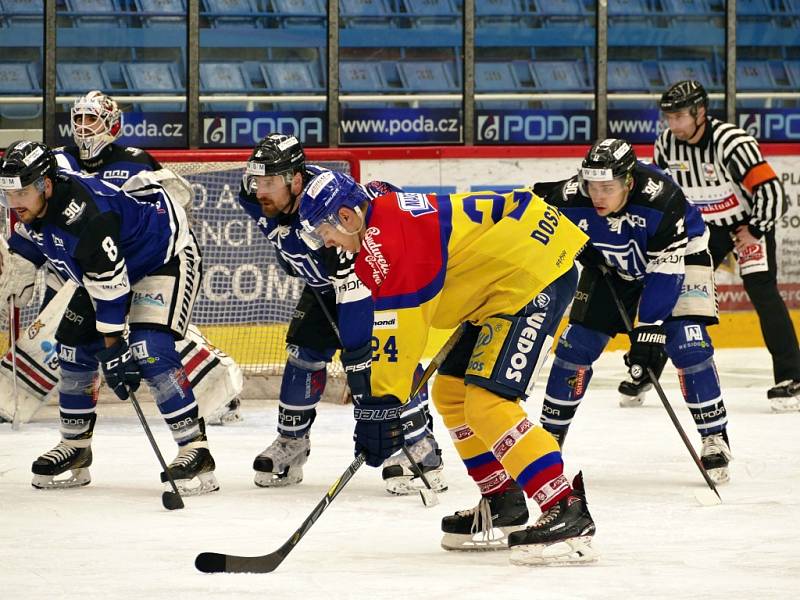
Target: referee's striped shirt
725, 175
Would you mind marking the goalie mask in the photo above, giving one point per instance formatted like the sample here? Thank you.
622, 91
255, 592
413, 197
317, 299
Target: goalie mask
684, 94
96, 122
276, 154
607, 160
25, 163
320, 203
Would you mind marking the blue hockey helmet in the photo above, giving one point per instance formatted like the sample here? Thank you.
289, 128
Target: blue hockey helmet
321, 200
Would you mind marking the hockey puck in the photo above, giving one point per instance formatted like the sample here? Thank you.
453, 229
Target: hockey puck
171, 500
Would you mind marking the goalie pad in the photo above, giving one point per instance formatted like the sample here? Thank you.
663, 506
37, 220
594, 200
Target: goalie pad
17, 277
36, 360
178, 189
215, 377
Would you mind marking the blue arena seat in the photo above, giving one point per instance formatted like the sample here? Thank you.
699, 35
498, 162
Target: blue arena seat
754, 75
223, 77
754, 8
496, 76
793, 71
23, 12
300, 13
365, 13
361, 76
19, 79
291, 76
79, 78
559, 76
498, 12
232, 13
628, 8
627, 76
562, 12
427, 76
154, 78
427, 13
159, 13
673, 71
94, 13
684, 8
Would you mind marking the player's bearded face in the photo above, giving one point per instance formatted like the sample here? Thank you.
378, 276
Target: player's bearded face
608, 196
29, 202
273, 195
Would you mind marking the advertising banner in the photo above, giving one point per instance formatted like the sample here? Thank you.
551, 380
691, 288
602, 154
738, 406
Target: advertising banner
773, 124
245, 129
540, 126
139, 129
400, 126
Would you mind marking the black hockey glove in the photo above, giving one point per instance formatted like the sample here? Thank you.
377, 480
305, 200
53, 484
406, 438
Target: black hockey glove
647, 350
120, 369
358, 368
379, 428
591, 257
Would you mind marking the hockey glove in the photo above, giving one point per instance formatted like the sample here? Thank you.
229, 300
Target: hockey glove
358, 368
647, 350
120, 369
591, 257
379, 428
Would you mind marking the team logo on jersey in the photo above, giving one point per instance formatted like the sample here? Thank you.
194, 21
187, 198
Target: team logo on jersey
416, 204
709, 172
139, 350
34, 328
374, 257
57, 241
693, 333
541, 300
74, 211
67, 353
117, 174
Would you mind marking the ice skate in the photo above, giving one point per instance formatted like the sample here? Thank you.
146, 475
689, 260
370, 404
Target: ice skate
785, 397
488, 525
281, 464
561, 535
192, 470
715, 456
64, 457
226, 414
632, 394
401, 479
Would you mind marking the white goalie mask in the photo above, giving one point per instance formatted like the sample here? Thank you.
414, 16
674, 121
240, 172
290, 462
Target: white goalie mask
96, 122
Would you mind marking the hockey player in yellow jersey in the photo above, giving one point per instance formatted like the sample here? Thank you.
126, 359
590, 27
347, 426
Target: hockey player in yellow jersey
501, 265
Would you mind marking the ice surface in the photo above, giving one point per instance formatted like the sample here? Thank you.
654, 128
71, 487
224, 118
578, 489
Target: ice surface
113, 539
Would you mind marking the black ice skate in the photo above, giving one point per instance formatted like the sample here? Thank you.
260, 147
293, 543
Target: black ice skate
488, 525
715, 456
561, 535
632, 394
64, 457
785, 397
193, 468
281, 464
401, 479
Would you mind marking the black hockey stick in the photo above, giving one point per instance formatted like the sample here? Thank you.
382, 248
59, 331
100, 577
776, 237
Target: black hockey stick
213, 562
657, 385
428, 496
170, 500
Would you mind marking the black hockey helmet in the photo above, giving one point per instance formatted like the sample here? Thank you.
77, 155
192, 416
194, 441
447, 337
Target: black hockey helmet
684, 94
277, 154
25, 163
608, 159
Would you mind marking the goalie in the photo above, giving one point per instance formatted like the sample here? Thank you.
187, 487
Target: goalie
215, 377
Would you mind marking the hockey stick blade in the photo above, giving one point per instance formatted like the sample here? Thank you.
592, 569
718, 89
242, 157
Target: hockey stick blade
171, 500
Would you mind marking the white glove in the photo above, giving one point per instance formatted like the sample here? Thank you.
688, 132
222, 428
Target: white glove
17, 277
178, 189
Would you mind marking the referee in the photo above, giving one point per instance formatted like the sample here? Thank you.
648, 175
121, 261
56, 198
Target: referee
721, 170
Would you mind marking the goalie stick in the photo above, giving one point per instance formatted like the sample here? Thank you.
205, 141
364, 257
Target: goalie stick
213, 562
628, 327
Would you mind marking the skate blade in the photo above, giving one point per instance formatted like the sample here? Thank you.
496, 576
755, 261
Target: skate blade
291, 476
784, 405
204, 483
496, 539
78, 478
406, 485
570, 551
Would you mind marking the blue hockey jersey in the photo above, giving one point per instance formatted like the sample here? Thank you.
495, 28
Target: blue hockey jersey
646, 241
103, 239
115, 164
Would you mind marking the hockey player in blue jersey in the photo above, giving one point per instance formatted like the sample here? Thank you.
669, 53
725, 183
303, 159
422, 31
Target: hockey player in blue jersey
654, 244
140, 265
275, 177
